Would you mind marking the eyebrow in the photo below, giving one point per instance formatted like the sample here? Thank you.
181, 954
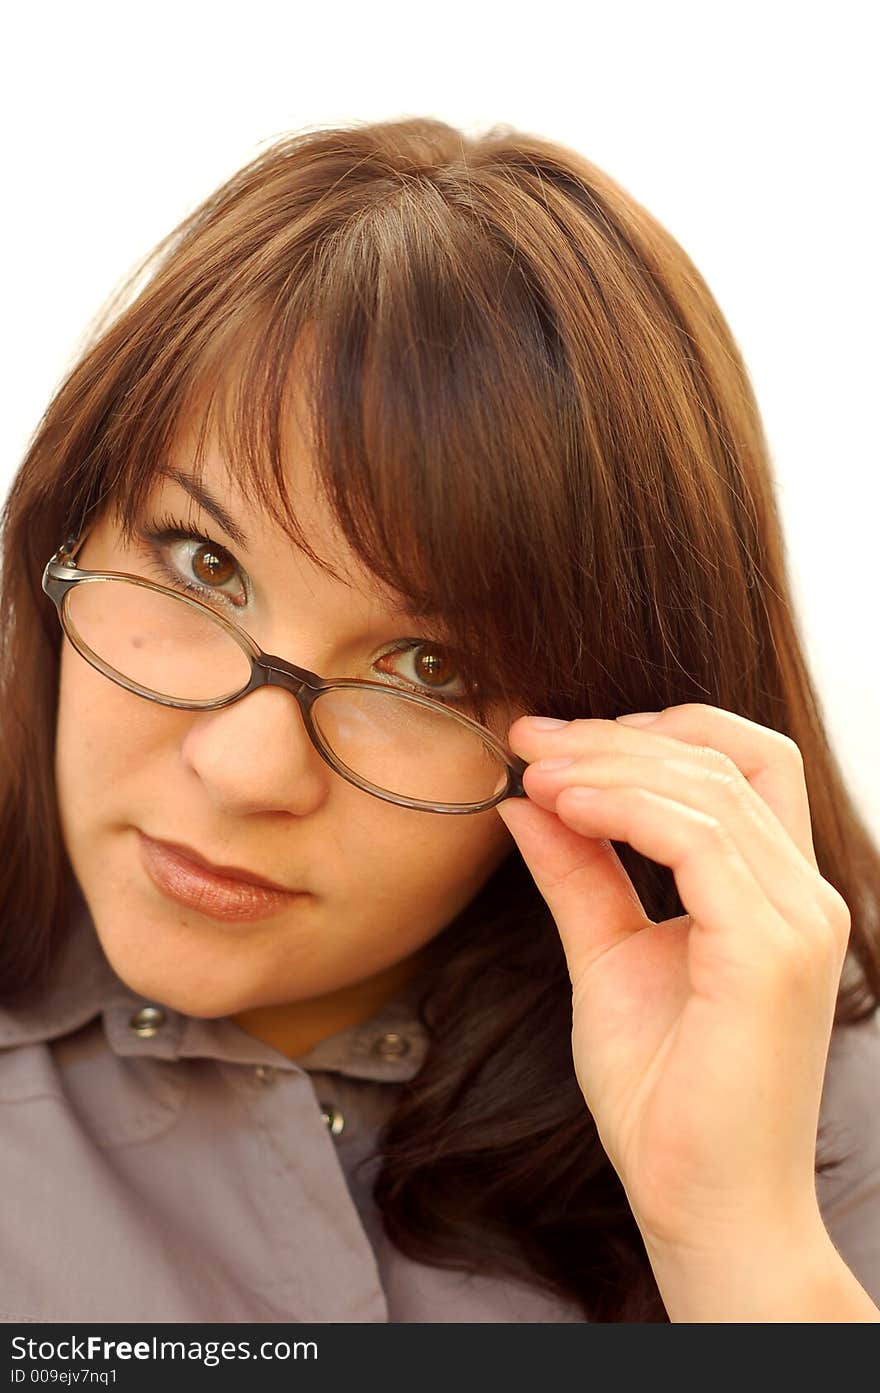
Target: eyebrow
206, 500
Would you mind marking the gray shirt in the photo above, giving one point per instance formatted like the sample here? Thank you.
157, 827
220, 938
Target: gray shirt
161, 1167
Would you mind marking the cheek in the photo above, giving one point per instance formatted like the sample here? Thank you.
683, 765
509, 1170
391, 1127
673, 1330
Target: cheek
99, 731
446, 862
85, 727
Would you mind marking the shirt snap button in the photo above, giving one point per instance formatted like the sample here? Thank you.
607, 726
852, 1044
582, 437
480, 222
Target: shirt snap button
391, 1045
147, 1020
333, 1119
265, 1073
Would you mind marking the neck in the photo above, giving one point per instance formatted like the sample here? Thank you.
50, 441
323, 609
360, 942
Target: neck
294, 1028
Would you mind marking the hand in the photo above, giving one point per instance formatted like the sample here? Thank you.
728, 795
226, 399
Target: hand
699, 1042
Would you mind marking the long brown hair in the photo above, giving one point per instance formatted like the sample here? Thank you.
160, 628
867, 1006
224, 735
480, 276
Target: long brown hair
531, 416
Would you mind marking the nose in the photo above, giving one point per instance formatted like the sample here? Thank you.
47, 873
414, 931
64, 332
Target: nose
256, 754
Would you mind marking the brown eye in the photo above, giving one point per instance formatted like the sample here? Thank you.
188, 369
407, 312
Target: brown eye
212, 567
433, 666
426, 667
203, 570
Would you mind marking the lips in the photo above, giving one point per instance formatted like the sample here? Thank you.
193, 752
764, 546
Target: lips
233, 873
217, 896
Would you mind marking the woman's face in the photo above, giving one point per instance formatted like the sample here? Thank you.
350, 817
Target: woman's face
244, 786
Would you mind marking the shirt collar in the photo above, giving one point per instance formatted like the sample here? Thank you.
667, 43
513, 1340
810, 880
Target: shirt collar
388, 1047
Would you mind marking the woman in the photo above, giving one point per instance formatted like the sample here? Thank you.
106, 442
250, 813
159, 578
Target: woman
455, 418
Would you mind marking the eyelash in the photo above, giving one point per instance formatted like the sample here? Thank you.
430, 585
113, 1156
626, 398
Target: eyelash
169, 529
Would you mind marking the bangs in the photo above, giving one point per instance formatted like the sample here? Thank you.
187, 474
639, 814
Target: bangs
422, 393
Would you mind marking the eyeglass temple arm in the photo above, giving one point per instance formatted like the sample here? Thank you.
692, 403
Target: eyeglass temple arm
66, 553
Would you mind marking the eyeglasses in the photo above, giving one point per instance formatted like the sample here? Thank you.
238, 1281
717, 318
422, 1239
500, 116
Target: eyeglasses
177, 650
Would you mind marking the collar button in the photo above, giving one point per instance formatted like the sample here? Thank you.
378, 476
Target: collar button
391, 1045
147, 1021
333, 1119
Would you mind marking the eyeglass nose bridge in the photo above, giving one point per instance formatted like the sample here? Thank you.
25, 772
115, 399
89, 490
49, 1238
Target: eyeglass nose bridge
305, 685
271, 670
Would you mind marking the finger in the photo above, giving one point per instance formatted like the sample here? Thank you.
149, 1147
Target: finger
788, 881
734, 926
770, 761
580, 877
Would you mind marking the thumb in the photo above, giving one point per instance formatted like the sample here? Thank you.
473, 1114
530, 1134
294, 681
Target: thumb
592, 899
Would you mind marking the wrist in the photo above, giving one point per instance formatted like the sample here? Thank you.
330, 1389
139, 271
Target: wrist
766, 1274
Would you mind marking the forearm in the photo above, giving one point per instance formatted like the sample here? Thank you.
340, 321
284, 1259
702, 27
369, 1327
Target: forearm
765, 1279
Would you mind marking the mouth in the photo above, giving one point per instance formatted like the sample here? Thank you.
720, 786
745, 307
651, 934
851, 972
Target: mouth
234, 873
221, 892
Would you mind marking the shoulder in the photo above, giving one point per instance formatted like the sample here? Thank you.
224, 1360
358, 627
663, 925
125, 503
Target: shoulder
849, 1138
852, 1080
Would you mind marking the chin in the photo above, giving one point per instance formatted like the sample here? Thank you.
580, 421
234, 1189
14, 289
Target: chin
191, 996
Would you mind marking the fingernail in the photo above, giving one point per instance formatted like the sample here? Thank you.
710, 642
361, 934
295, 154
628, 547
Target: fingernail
545, 723
639, 718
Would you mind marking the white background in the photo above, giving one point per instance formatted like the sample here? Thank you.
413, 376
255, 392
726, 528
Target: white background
748, 129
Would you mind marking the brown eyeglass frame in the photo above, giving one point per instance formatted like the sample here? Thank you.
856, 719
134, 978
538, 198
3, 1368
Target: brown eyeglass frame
61, 573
